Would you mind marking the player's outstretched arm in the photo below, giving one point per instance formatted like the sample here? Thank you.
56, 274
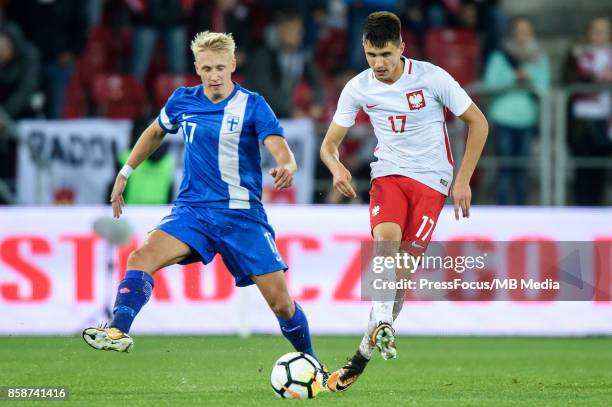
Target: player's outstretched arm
147, 143
285, 161
331, 158
478, 129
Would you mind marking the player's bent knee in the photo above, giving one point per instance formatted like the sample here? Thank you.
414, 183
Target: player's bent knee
389, 236
284, 308
139, 259
387, 232
135, 258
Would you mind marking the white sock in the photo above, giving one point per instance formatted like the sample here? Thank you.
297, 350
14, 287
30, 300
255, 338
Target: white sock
365, 348
382, 311
400, 295
382, 308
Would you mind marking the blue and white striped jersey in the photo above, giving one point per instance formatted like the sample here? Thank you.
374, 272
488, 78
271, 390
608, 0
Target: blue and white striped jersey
222, 166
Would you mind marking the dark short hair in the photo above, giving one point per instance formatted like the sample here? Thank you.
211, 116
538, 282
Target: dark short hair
382, 27
287, 15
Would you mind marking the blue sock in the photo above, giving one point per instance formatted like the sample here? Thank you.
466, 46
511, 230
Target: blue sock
295, 329
134, 291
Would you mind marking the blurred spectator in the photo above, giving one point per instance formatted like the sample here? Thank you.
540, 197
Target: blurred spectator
515, 114
485, 16
8, 158
358, 10
590, 62
277, 68
114, 14
412, 16
357, 149
155, 18
492, 23
95, 9
313, 14
152, 182
225, 16
438, 12
19, 71
453, 13
58, 29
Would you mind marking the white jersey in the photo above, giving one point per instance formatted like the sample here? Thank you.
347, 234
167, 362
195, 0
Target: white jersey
408, 121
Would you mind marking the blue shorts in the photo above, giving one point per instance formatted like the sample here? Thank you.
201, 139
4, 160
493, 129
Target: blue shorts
242, 237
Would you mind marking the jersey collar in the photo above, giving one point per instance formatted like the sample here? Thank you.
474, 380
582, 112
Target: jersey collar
224, 101
407, 68
407, 71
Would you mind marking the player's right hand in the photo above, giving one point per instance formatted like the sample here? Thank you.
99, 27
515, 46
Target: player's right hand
462, 197
116, 198
342, 182
283, 177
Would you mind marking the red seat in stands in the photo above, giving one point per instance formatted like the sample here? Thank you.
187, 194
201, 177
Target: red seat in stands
95, 58
455, 50
412, 49
166, 83
118, 96
331, 49
302, 96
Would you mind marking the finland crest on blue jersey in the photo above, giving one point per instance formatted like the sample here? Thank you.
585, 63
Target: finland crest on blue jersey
222, 166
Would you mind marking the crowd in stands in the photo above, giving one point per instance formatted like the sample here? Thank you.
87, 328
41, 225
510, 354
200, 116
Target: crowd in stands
590, 61
515, 115
123, 58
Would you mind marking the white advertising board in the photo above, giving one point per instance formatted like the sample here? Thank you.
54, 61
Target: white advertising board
55, 278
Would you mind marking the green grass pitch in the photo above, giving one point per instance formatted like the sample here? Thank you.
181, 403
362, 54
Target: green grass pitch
217, 371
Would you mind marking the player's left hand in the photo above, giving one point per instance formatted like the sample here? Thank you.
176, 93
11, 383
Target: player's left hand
283, 178
462, 196
116, 199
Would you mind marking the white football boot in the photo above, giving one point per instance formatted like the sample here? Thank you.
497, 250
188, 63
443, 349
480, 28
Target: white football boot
383, 338
108, 339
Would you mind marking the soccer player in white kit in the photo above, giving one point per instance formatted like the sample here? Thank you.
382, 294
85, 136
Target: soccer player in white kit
406, 101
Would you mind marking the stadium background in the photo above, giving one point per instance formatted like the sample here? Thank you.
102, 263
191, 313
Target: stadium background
80, 79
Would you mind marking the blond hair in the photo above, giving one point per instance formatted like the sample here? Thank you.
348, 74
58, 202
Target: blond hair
217, 42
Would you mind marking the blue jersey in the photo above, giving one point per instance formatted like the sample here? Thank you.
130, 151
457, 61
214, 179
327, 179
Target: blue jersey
222, 167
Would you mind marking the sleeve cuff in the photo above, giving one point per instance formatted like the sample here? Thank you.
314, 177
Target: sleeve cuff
166, 129
464, 109
270, 133
340, 123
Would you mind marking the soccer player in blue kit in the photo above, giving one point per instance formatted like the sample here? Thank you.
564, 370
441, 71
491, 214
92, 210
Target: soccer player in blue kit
218, 208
